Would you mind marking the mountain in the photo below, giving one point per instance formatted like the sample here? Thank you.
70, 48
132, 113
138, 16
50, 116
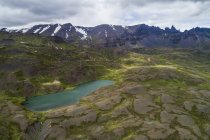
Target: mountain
115, 35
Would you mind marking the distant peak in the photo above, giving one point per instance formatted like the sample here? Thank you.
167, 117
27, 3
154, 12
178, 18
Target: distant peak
172, 29
67, 24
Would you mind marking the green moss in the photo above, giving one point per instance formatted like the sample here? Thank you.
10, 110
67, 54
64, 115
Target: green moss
113, 124
15, 100
204, 86
157, 100
114, 74
8, 130
130, 134
171, 86
4, 132
15, 133
200, 118
174, 136
78, 131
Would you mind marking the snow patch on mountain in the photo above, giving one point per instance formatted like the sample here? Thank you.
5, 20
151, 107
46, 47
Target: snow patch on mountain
37, 30
82, 31
125, 27
106, 33
24, 30
56, 30
67, 32
67, 35
113, 27
45, 28
8, 30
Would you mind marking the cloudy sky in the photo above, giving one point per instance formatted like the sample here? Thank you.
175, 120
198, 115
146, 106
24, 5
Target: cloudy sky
184, 14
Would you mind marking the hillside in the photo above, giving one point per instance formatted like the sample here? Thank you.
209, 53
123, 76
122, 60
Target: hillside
30, 64
159, 93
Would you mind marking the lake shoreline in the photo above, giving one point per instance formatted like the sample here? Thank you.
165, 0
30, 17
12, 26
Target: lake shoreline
66, 97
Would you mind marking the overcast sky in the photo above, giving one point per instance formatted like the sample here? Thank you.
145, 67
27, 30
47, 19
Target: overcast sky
184, 14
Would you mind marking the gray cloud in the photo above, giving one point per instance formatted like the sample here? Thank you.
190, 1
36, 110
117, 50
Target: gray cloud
26, 11
181, 13
126, 3
45, 7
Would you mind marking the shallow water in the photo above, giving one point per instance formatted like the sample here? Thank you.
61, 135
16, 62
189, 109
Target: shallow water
67, 97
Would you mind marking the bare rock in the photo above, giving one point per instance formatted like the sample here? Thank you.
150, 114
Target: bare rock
166, 117
192, 90
131, 122
144, 105
119, 132
166, 99
107, 104
5, 112
200, 101
77, 111
207, 129
157, 130
69, 111
203, 108
174, 109
120, 111
57, 133
90, 117
155, 92
21, 121
99, 133
103, 118
187, 121
185, 134
13, 108
140, 137
188, 105
54, 114
136, 89
54, 121
205, 93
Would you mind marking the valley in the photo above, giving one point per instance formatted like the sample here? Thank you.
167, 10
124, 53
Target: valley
159, 93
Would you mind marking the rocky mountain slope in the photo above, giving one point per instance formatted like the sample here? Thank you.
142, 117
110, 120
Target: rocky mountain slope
115, 35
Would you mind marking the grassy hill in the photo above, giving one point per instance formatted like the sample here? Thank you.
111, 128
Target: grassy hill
28, 62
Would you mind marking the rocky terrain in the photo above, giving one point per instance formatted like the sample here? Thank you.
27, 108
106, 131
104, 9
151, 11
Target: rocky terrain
159, 94
134, 112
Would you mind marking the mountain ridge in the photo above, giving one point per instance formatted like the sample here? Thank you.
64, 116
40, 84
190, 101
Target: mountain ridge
106, 35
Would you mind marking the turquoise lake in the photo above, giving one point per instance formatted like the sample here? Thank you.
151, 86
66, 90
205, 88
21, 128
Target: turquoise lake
67, 97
